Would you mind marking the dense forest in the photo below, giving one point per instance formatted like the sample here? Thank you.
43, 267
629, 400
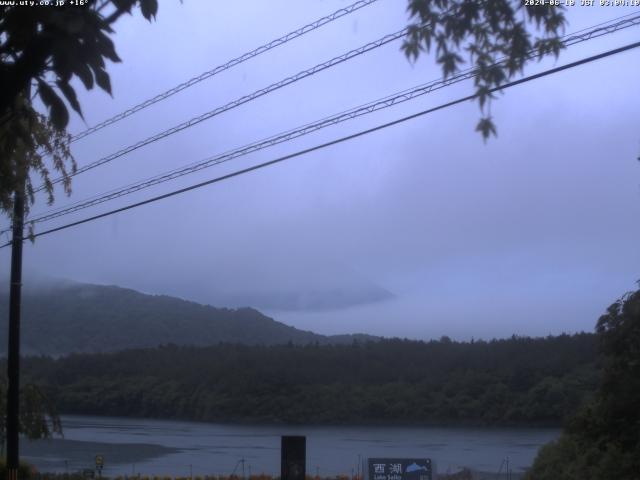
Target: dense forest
602, 440
519, 380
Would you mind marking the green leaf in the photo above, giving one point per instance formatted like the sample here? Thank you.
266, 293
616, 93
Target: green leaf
57, 109
149, 8
83, 72
483, 94
103, 80
106, 47
487, 128
124, 5
411, 50
70, 95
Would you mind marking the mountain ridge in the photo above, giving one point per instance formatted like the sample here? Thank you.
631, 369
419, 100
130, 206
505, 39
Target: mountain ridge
71, 317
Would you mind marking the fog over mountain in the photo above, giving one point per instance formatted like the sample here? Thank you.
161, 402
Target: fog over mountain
419, 230
65, 317
301, 285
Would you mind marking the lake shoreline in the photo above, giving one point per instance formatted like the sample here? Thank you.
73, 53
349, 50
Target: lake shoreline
178, 448
243, 421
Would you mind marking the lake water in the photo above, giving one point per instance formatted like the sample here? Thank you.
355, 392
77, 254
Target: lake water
132, 446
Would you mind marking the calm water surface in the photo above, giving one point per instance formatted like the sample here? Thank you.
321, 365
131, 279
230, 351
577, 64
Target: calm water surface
132, 446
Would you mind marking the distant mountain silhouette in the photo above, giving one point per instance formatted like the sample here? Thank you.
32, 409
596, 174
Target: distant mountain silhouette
332, 286
311, 299
71, 317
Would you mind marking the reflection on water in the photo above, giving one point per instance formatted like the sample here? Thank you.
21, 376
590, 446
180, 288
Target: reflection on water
183, 448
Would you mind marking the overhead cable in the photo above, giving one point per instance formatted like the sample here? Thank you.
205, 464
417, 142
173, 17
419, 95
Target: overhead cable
226, 66
336, 141
386, 102
236, 103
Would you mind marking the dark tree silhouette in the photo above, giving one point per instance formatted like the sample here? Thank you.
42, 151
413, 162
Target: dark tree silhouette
603, 440
38, 416
498, 38
44, 49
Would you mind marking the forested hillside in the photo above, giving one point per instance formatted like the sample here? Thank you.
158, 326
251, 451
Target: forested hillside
75, 317
501, 382
602, 439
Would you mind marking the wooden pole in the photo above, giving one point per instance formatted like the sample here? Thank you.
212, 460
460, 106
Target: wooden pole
13, 356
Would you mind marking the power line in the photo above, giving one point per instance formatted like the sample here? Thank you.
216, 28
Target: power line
604, 28
605, 22
240, 101
356, 112
337, 141
226, 66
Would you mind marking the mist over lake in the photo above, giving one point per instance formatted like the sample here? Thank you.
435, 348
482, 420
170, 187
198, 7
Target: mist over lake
132, 446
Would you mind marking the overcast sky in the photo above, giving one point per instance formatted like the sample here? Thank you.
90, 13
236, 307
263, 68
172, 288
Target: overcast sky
420, 230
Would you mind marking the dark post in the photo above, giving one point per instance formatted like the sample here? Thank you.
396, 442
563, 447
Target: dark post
13, 356
293, 458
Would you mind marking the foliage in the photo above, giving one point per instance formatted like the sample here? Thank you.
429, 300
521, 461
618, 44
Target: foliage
521, 381
46, 48
25, 471
494, 35
602, 440
38, 416
31, 137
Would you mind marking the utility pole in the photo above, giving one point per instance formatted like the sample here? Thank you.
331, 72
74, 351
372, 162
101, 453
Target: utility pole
13, 355
15, 301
